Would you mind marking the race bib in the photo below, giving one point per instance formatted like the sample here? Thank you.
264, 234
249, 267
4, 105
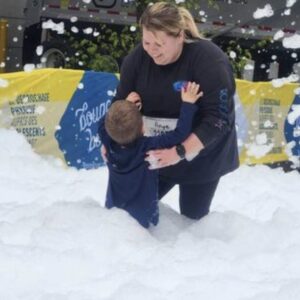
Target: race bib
157, 126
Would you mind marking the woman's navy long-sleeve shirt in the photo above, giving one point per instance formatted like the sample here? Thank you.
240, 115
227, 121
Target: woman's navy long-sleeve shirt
214, 123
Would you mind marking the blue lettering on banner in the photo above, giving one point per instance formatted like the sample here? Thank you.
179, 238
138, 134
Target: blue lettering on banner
292, 126
77, 135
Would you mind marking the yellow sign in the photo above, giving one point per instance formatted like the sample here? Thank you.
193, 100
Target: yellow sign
264, 133
58, 112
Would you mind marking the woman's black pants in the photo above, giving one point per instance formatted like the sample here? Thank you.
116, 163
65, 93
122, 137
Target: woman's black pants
194, 199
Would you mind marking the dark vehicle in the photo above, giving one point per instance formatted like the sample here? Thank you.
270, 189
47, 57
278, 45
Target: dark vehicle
35, 29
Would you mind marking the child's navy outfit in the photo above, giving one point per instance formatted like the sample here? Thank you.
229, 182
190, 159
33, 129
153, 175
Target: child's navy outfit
131, 185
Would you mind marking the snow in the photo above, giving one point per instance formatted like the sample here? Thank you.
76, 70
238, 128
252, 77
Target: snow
132, 28
292, 42
74, 29
3, 83
80, 86
40, 109
294, 55
290, 3
74, 19
279, 82
294, 115
297, 91
249, 67
232, 54
260, 146
39, 50
58, 27
278, 35
58, 242
265, 12
29, 67
88, 30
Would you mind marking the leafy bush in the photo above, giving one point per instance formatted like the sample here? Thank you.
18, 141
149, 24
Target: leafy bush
103, 52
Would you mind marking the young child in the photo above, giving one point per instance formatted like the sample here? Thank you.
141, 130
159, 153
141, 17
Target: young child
132, 186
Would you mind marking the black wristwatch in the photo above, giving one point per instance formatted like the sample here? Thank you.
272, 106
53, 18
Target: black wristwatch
180, 151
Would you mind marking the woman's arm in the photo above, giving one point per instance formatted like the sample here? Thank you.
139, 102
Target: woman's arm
167, 157
192, 146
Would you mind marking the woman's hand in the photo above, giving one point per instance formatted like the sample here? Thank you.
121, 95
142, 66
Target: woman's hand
167, 157
162, 158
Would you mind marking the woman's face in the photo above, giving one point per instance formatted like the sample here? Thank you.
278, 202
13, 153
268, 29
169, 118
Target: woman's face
162, 48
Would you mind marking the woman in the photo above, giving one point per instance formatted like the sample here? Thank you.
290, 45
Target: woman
172, 51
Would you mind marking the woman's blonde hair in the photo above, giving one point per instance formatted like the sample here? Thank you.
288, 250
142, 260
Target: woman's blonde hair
171, 19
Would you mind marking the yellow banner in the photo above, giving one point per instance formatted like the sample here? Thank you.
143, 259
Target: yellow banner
267, 131
34, 102
58, 112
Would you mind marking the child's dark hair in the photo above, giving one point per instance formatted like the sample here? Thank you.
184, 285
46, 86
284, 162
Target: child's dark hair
124, 122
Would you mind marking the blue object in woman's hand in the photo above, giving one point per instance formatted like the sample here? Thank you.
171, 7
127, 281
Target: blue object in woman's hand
179, 84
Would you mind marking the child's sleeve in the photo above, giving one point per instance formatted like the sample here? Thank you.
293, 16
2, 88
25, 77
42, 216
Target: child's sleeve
176, 136
102, 132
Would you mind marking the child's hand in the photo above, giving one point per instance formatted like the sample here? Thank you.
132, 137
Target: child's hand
104, 153
135, 98
190, 93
